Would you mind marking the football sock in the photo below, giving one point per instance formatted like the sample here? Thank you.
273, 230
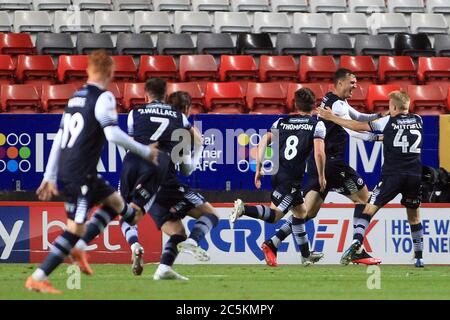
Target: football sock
417, 237
298, 230
130, 232
360, 222
202, 226
97, 224
260, 212
60, 249
170, 250
128, 213
282, 233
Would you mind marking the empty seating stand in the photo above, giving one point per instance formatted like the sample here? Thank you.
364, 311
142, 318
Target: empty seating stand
175, 44
198, 67
317, 69
16, 43
194, 90
224, 97
427, 99
54, 97
255, 44
397, 69
434, 70
7, 69
88, 42
237, 68
15, 5
377, 97
333, 44
215, 44
171, 5
294, 44
266, 98
124, 69
54, 44
316, 88
35, 69
134, 44
23, 98
133, 95
413, 45
132, 5
157, 66
277, 68
72, 69
363, 67
373, 45
211, 5
290, 6
51, 5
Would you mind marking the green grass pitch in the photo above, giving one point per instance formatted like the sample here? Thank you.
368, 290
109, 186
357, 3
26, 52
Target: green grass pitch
238, 282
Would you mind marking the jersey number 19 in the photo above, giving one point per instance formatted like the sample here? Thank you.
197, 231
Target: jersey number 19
73, 124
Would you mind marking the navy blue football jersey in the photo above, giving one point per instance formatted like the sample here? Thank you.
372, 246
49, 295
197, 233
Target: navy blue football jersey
88, 111
402, 143
296, 135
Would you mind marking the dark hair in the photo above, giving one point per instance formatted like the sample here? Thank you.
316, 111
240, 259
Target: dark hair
180, 100
305, 99
156, 87
342, 73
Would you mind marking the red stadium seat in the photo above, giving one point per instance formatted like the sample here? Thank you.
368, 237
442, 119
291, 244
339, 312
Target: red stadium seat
277, 68
435, 70
117, 90
55, 96
364, 69
194, 90
35, 69
16, 43
225, 97
397, 70
237, 68
427, 99
72, 69
293, 87
124, 68
23, 96
448, 99
157, 66
266, 98
133, 94
377, 96
7, 69
198, 67
317, 69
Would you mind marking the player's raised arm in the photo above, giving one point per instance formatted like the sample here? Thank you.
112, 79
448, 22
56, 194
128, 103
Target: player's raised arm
327, 114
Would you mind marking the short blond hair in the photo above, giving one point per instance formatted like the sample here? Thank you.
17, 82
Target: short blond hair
400, 99
100, 61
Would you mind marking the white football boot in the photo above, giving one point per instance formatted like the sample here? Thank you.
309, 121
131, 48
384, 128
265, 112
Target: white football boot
191, 246
237, 211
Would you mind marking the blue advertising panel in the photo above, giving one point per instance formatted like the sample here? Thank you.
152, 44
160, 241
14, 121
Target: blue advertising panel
228, 159
14, 234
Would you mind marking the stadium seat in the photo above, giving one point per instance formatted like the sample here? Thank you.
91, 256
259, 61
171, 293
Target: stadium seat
427, 99
175, 44
397, 69
124, 68
377, 96
7, 69
194, 90
224, 97
15, 5
367, 6
237, 68
192, 22
134, 44
88, 42
54, 97
271, 22
333, 44
16, 43
32, 21
389, 23
54, 44
266, 98
72, 21
442, 45
373, 45
290, 6
406, 6
72, 69
51, 5
152, 21
434, 70
117, 88
133, 95
93, 4
198, 67
211, 5
255, 44
311, 23
318, 90
132, 5
328, 6
414, 45
35, 69
438, 6
5, 22
359, 98
215, 44
171, 5
20, 98
294, 44
363, 67
157, 66
232, 22
250, 5
351, 23
317, 69
277, 68
114, 21
428, 23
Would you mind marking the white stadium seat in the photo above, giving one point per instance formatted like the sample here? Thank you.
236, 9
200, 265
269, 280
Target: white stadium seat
72, 21
388, 23
232, 22
271, 22
93, 4
192, 22
250, 5
428, 23
406, 6
290, 6
171, 5
211, 5
32, 21
328, 5
51, 4
438, 6
352, 23
152, 21
367, 6
112, 21
311, 23
5, 22
132, 5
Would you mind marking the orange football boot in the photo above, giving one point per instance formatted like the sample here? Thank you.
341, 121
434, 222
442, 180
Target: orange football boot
79, 257
41, 286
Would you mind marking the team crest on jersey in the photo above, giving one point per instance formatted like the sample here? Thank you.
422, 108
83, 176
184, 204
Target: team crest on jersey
360, 182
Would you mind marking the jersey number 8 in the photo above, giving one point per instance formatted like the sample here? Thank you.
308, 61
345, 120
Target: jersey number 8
291, 147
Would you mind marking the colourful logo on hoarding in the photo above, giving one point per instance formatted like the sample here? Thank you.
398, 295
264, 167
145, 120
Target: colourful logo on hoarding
15, 152
247, 153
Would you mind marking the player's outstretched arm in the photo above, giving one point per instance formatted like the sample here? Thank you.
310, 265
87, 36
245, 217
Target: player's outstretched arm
327, 114
48, 188
265, 141
363, 117
190, 162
